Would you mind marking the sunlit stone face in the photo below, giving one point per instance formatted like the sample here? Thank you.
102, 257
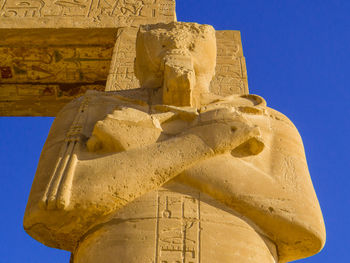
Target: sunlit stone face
179, 57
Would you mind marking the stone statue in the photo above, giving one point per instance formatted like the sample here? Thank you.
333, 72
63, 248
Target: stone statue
172, 173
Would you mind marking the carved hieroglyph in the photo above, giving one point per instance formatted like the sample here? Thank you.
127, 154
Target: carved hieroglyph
53, 51
125, 177
83, 13
231, 73
38, 80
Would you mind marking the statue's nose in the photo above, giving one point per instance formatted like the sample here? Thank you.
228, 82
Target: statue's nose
179, 79
178, 58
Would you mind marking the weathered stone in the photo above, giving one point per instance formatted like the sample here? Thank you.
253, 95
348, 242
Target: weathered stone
230, 72
53, 51
125, 177
170, 57
83, 14
48, 60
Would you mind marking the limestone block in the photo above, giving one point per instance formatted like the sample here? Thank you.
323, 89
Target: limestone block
53, 51
61, 66
121, 73
43, 69
231, 71
84, 14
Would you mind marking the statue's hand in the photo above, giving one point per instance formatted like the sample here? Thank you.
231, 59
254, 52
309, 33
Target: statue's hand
224, 131
124, 129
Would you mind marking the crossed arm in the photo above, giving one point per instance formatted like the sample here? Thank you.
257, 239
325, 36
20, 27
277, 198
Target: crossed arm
104, 183
116, 179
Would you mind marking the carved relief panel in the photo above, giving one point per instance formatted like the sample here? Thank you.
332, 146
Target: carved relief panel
178, 228
95, 13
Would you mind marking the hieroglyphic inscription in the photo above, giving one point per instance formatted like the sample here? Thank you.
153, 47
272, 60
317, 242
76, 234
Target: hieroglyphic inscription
5, 72
88, 67
53, 50
60, 64
178, 228
39, 100
15, 8
110, 12
231, 74
121, 75
41, 79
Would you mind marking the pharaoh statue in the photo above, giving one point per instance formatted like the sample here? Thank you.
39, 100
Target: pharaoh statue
171, 173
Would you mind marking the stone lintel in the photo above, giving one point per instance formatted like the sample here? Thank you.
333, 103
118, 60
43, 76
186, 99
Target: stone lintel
43, 69
31, 14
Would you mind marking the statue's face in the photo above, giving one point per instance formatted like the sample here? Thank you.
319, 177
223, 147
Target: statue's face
187, 47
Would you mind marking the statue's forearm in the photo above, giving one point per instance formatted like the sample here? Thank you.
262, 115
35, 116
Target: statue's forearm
290, 218
120, 178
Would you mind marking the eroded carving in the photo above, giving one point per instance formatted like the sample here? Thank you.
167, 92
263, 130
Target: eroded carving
140, 176
123, 12
29, 8
57, 42
170, 56
231, 76
55, 64
178, 228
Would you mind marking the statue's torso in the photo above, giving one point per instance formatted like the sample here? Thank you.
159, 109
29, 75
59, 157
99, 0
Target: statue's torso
195, 227
174, 224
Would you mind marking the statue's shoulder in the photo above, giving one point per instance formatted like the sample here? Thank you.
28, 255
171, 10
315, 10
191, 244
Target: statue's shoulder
103, 99
278, 116
252, 104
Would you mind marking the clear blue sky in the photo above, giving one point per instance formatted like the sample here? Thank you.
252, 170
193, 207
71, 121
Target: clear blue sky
298, 59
